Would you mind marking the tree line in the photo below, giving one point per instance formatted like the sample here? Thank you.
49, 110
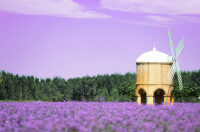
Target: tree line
114, 87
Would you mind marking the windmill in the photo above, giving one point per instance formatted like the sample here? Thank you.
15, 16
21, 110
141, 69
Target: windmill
175, 66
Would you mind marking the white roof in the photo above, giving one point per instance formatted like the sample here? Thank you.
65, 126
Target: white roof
154, 56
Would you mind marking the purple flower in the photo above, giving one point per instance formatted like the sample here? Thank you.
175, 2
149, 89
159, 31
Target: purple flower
98, 116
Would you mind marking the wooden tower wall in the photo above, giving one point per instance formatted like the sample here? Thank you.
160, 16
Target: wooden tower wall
153, 76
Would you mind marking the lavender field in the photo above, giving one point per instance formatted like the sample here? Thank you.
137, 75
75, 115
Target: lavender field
94, 117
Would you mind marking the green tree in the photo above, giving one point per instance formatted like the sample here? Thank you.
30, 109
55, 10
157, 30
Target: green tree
110, 87
128, 88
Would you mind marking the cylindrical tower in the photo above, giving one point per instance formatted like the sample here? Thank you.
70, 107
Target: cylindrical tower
152, 85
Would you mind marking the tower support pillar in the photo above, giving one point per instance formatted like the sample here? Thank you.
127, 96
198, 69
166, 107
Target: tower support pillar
166, 100
139, 99
150, 100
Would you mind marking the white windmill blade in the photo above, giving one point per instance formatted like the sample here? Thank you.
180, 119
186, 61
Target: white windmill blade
179, 75
171, 73
171, 44
179, 48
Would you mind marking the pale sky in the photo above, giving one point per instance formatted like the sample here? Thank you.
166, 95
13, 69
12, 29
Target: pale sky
74, 38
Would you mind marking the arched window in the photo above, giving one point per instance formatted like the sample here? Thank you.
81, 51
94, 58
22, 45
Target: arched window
159, 96
143, 96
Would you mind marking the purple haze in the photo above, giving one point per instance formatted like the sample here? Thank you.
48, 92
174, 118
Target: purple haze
48, 39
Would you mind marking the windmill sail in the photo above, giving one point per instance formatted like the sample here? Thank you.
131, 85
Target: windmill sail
175, 66
171, 44
179, 48
179, 75
171, 73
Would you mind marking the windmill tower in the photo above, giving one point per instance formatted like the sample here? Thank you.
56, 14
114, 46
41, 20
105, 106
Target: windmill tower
155, 72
